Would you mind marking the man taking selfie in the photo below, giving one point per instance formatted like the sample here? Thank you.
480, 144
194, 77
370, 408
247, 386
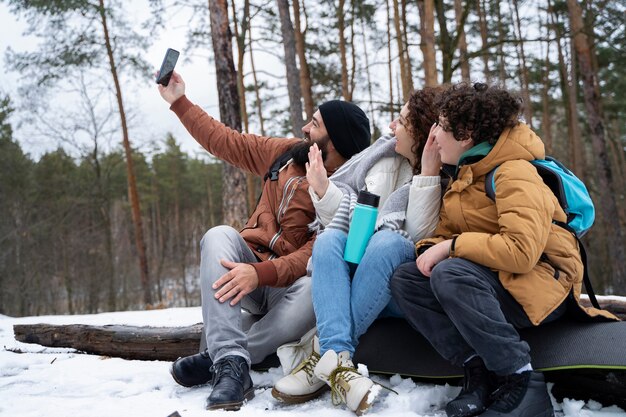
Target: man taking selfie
261, 268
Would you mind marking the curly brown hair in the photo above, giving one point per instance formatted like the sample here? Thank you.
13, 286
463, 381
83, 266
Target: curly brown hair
479, 111
423, 112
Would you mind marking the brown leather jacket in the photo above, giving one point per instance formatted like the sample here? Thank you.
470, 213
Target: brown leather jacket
277, 231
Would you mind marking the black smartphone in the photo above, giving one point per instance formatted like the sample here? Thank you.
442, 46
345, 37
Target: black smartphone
167, 67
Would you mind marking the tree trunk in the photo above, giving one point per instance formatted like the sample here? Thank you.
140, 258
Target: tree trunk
306, 86
427, 32
259, 101
133, 196
234, 202
482, 23
523, 68
593, 105
389, 67
464, 62
345, 89
569, 103
546, 120
405, 41
501, 57
406, 91
445, 43
293, 74
241, 36
576, 141
352, 84
368, 74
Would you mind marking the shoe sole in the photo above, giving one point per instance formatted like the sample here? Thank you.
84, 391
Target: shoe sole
233, 406
366, 402
298, 399
179, 382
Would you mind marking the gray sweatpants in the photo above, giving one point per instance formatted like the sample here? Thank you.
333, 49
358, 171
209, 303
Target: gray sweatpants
287, 313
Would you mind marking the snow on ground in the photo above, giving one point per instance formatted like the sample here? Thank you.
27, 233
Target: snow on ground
56, 382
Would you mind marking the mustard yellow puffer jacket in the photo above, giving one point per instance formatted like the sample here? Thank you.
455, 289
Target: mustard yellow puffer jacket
510, 234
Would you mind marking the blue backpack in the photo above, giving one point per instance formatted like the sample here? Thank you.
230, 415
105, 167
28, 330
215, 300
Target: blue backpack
569, 190
573, 198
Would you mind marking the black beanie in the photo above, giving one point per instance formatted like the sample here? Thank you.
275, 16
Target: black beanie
347, 125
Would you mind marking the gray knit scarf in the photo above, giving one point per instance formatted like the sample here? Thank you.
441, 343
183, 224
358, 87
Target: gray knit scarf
350, 178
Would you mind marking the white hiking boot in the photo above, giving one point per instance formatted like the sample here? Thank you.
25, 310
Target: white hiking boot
347, 385
301, 384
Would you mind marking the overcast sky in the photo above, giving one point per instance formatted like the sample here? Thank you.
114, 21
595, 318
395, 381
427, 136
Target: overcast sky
156, 118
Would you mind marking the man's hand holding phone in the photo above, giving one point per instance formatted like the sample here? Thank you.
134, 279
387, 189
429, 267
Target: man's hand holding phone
175, 88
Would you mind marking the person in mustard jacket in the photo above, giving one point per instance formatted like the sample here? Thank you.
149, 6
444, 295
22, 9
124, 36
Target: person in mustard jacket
493, 266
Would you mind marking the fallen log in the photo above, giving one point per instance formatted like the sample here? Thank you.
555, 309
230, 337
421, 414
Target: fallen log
128, 342
150, 343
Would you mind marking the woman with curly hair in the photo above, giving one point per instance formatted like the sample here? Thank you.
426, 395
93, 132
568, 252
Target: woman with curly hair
493, 266
403, 170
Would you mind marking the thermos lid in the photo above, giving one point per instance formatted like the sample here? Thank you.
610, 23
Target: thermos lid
368, 199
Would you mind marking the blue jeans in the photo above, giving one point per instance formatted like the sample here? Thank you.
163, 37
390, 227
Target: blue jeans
346, 302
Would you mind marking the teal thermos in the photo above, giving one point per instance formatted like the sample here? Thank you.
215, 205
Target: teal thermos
361, 226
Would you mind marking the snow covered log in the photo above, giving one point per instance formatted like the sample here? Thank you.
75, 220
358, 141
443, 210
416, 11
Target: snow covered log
152, 343
128, 342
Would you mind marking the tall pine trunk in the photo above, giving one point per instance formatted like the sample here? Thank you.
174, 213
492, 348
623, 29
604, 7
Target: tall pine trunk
234, 204
389, 66
241, 33
523, 67
482, 24
133, 196
305, 75
464, 62
397, 19
368, 74
593, 105
345, 88
427, 32
257, 90
293, 74
546, 120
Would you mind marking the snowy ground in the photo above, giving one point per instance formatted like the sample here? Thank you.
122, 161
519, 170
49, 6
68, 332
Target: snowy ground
56, 382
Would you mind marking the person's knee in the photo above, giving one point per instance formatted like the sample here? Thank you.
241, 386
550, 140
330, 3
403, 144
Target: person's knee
329, 238
448, 276
218, 235
301, 289
384, 238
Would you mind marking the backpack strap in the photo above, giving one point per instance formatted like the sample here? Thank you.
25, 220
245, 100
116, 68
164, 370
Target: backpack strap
278, 163
583, 257
490, 184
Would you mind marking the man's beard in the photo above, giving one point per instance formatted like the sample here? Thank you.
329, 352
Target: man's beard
300, 152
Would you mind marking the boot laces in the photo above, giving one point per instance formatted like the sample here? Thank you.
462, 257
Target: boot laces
308, 365
227, 367
340, 378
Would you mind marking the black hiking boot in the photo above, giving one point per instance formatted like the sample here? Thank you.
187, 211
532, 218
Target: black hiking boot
231, 384
521, 395
193, 370
478, 383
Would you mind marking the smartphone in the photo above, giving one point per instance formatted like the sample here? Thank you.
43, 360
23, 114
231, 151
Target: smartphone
167, 67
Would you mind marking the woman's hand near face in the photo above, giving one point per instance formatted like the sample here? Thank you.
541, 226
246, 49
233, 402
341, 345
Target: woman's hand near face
316, 172
431, 160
